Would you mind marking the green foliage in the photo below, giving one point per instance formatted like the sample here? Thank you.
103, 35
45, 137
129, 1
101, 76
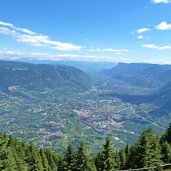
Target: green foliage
106, 160
41, 76
166, 145
148, 151
18, 156
166, 152
44, 160
121, 159
69, 159
9, 159
33, 158
167, 134
131, 157
83, 162
52, 159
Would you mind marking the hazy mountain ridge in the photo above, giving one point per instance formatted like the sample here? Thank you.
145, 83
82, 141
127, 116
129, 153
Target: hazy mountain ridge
86, 66
71, 105
32, 76
141, 74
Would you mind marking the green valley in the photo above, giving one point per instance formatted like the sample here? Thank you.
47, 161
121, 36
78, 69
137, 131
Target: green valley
60, 104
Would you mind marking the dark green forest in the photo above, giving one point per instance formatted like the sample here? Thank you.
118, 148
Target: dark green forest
150, 150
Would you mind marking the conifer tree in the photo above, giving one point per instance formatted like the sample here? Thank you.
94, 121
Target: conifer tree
7, 159
127, 153
106, 158
44, 160
19, 159
83, 162
166, 152
167, 135
20, 150
52, 159
98, 161
3, 152
11, 164
60, 164
148, 151
33, 158
122, 158
69, 159
131, 157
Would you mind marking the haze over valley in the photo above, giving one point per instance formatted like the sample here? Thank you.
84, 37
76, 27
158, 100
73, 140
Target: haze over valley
83, 69
85, 85
56, 104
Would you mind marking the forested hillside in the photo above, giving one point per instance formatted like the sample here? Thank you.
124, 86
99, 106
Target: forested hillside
141, 74
55, 105
150, 151
41, 77
85, 85
151, 76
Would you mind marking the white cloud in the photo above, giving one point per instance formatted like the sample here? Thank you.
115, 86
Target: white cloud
114, 51
154, 46
6, 54
24, 30
31, 38
161, 1
6, 24
142, 30
7, 31
42, 41
163, 26
140, 37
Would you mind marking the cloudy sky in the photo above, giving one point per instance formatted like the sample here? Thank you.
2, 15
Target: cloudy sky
91, 30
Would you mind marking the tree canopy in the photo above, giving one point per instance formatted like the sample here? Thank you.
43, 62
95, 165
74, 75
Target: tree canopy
150, 150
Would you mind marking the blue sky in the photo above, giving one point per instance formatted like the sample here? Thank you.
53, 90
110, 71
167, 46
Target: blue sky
91, 30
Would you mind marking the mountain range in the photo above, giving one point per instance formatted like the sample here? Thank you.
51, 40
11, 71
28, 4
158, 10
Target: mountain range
54, 104
41, 76
146, 75
141, 74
